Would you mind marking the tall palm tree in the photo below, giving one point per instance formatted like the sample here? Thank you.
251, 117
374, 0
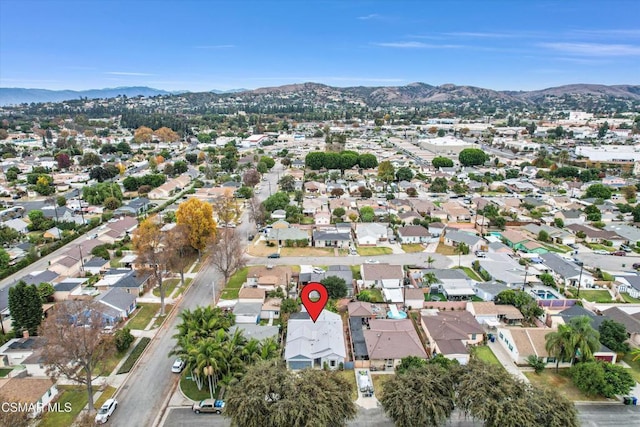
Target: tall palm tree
430, 261
208, 360
558, 344
429, 279
461, 249
584, 339
269, 349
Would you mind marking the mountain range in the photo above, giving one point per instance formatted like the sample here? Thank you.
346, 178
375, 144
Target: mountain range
16, 96
411, 94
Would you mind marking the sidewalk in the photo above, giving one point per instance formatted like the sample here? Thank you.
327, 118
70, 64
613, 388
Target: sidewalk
506, 361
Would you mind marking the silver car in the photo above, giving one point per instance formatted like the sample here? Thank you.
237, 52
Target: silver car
106, 410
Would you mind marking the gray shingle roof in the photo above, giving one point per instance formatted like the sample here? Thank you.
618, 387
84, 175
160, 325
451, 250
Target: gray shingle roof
117, 298
559, 265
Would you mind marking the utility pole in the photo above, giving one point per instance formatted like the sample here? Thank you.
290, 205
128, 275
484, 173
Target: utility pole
580, 278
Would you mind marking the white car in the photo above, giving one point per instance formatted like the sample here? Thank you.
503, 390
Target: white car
178, 366
318, 270
372, 261
106, 410
601, 252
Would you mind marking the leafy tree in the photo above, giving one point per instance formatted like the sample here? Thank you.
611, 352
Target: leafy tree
38, 221
123, 338
5, 259
287, 183
593, 213
522, 301
629, 192
472, 157
25, 306
336, 287
348, 159
251, 177
143, 134
367, 214
410, 362
270, 395
8, 236
543, 236
148, 241
46, 291
197, 217
289, 305
268, 161
339, 212
598, 191
89, 159
603, 379
365, 296
547, 279
63, 161
439, 185
314, 160
603, 129
558, 222
74, 342
404, 174
279, 200
442, 162
112, 203
386, 171
367, 161
613, 336
419, 396
204, 138
165, 134
365, 193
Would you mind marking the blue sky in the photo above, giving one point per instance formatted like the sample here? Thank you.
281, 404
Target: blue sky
204, 45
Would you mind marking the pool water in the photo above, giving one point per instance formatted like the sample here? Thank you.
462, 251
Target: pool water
400, 315
545, 295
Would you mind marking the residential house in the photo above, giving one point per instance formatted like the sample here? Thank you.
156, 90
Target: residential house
135, 207
630, 318
489, 290
491, 314
436, 229
123, 303
258, 332
568, 272
18, 225
67, 266
520, 343
388, 341
361, 310
315, 344
34, 393
96, 265
369, 234
451, 333
414, 298
413, 234
571, 216
24, 352
456, 212
454, 238
247, 312
252, 295
68, 288
387, 277
170, 187
322, 218
343, 272
269, 277
271, 308
330, 238
504, 269
409, 217
629, 284
595, 235
280, 236
130, 281
555, 234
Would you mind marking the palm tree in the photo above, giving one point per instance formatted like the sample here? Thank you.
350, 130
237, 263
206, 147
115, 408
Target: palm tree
208, 360
429, 279
584, 339
558, 344
563, 156
430, 261
269, 349
635, 353
461, 249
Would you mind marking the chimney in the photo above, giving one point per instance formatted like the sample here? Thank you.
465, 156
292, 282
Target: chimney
25, 334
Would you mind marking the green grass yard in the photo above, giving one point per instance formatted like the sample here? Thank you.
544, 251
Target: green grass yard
4, 372
107, 393
599, 296
378, 382
369, 251
190, 389
235, 283
561, 382
160, 320
412, 248
485, 354
472, 274
635, 366
350, 377
628, 298
143, 315
76, 396
169, 286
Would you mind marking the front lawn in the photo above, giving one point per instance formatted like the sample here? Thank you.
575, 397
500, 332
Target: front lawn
596, 246
134, 355
378, 382
635, 366
306, 251
158, 321
107, 393
598, 296
484, 353
169, 286
561, 382
368, 251
628, 298
412, 248
235, 283
75, 395
190, 389
143, 316
443, 249
472, 274
351, 378
4, 372
376, 296
355, 269
106, 366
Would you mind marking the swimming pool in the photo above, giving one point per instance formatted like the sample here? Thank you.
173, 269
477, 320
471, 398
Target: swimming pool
542, 294
399, 315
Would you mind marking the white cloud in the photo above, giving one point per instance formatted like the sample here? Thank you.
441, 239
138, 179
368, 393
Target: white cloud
593, 49
479, 35
127, 73
418, 45
369, 17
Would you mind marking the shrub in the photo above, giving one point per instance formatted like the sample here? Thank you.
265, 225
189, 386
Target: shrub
123, 339
135, 354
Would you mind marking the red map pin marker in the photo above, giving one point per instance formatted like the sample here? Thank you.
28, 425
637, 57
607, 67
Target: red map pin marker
314, 308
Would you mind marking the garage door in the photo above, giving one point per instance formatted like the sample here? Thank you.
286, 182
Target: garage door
298, 365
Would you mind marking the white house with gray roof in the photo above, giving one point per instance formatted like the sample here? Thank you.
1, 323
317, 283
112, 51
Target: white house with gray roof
454, 238
314, 344
568, 272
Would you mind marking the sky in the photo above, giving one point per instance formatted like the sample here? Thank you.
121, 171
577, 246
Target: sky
207, 44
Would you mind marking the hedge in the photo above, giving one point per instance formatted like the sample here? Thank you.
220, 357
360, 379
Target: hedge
135, 354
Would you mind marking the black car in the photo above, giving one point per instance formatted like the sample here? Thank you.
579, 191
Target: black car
250, 237
274, 255
636, 265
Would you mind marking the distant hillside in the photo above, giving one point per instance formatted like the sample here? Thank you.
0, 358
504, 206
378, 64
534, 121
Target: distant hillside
15, 96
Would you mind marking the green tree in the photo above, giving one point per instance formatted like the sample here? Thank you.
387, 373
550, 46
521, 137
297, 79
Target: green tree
461, 249
367, 214
404, 174
603, 379
386, 172
472, 157
613, 336
336, 287
603, 129
8, 236
439, 185
558, 222
314, 160
25, 306
46, 291
270, 395
593, 213
598, 191
543, 236
547, 279
287, 183
367, 161
123, 338
410, 362
279, 200
537, 363
442, 162
339, 212
419, 396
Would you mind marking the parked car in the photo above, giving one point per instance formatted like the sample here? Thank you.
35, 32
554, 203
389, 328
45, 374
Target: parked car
601, 252
178, 366
372, 261
619, 253
209, 405
481, 254
636, 265
318, 270
109, 329
106, 410
626, 248
274, 255
573, 246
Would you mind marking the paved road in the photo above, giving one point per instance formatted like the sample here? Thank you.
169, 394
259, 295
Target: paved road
598, 415
144, 395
